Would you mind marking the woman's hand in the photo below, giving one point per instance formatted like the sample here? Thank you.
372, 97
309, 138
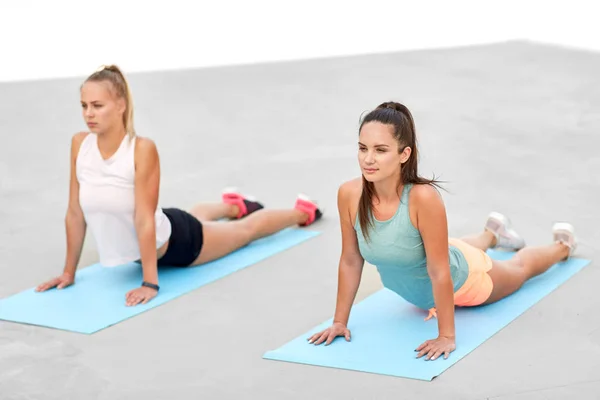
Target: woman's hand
436, 347
335, 330
140, 295
60, 282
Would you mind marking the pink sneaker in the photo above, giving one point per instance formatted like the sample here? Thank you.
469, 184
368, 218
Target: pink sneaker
246, 204
310, 207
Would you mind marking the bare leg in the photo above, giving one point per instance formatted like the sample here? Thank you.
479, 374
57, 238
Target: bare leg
222, 238
214, 211
483, 241
508, 276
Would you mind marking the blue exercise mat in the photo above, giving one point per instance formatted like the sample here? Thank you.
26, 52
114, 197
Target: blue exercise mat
386, 330
97, 300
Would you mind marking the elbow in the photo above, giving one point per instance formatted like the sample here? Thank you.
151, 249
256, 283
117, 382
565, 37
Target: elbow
74, 215
144, 223
440, 276
352, 263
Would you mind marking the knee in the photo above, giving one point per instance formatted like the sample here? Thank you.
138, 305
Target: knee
198, 213
521, 267
248, 228
518, 261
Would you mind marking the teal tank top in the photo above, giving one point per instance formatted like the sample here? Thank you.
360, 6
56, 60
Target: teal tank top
396, 249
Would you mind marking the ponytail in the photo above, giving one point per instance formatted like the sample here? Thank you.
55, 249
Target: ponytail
400, 118
115, 76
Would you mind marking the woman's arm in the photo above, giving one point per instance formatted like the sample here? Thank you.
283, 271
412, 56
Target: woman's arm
349, 270
351, 262
75, 225
433, 226
147, 182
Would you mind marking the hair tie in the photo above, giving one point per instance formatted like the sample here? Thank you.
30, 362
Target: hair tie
393, 107
105, 67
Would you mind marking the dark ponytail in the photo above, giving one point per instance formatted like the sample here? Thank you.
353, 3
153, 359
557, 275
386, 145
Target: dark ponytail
399, 117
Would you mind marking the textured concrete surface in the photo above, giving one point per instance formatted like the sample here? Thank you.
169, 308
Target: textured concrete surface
512, 127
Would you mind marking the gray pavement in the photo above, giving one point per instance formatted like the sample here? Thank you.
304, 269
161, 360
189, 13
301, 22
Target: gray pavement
512, 127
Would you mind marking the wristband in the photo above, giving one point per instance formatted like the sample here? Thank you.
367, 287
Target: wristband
150, 285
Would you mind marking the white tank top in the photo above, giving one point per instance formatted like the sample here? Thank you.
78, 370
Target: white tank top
107, 198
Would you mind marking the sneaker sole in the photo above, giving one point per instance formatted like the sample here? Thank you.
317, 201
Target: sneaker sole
563, 227
304, 197
560, 227
231, 190
320, 211
496, 221
236, 191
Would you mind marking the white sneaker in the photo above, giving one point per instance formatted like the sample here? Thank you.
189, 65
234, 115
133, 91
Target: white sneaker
564, 233
506, 237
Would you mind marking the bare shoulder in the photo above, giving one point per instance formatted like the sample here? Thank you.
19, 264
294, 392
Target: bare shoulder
78, 137
425, 196
348, 197
425, 192
350, 190
146, 151
144, 145
76, 141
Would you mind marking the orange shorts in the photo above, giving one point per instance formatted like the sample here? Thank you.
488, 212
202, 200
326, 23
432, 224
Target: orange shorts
478, 286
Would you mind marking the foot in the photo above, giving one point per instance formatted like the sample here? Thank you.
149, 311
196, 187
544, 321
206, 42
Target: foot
506, 237
245, 204
564, 233
310, 207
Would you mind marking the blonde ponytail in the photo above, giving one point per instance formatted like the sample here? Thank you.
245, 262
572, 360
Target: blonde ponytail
114, 75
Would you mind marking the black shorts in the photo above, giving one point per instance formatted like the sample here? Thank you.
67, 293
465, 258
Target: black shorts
185, 242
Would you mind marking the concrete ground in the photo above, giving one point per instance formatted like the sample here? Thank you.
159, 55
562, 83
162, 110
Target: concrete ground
511, 127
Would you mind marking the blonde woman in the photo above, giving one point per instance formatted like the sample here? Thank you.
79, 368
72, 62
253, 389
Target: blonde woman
114, 187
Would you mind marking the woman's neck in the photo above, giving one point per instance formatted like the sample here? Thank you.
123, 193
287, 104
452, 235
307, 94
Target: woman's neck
110, 141
389, 190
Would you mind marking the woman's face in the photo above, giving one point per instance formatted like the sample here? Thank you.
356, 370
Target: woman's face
102, 109
378, 154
